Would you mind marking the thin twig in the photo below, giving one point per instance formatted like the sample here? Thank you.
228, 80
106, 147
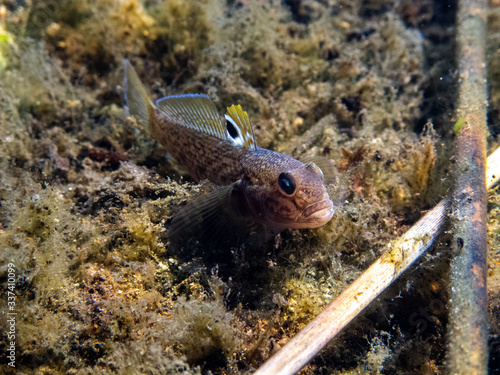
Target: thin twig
468, 326
400, 254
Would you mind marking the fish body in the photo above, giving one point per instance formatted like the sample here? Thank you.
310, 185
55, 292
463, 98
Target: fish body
268, 187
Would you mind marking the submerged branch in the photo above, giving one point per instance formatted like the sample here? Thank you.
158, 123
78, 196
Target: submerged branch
467, 329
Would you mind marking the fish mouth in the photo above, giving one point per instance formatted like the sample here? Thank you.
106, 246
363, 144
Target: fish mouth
313, 216
317, 214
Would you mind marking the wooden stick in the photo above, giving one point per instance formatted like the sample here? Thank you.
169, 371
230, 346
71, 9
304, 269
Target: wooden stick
400, 254
468, 326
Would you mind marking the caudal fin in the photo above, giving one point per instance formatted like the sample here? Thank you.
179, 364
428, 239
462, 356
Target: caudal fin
136, 97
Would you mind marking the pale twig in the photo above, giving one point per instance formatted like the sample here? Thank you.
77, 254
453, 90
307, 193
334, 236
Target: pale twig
400, 254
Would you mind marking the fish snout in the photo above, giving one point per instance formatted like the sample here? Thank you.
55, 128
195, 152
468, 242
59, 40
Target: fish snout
318, 213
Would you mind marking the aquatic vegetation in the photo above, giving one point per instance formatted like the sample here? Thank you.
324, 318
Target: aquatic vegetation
88, 198
6, 40
315, 52
92, 38
204, 330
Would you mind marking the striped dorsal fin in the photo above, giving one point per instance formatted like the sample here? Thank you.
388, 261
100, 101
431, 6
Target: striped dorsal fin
193, 111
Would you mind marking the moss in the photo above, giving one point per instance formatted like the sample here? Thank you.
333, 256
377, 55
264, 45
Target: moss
178, 45
149, 358
379, 352
202, 329
36, 244
323, 71
6, 41
306, 298
96, 37
494, 260
493, 62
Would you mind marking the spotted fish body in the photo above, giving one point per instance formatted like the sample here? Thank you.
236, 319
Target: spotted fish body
269, 188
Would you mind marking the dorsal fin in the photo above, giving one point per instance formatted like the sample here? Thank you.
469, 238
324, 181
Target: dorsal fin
239, 129
194, 111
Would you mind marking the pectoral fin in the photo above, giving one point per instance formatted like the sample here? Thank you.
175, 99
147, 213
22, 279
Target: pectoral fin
326, 165
214, 219
337, 189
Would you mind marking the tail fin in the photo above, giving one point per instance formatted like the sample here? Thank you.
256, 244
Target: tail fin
136, 97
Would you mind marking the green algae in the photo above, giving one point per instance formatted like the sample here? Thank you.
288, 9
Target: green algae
6, 44
458, 125
87, 197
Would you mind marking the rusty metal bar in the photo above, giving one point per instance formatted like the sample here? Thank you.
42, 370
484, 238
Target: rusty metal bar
467, 328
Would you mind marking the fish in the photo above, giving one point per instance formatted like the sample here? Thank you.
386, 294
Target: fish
264, 187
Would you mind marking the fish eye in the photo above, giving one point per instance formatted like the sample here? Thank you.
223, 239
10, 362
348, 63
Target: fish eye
286, 183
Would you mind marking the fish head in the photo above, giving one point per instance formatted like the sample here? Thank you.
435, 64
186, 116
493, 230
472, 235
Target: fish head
294, 198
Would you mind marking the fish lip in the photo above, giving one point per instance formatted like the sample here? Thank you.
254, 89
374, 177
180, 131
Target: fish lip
313, 216
319, 211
